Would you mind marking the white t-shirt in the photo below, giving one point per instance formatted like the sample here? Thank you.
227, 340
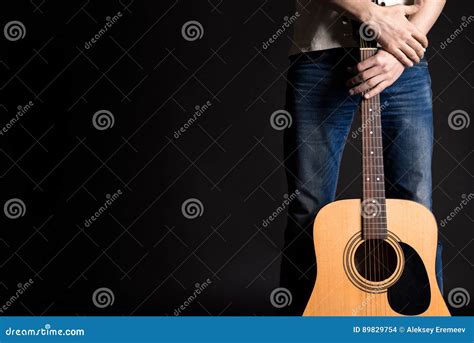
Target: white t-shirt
319, 27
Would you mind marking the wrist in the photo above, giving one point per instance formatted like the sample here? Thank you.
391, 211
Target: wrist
367, 12
390, 58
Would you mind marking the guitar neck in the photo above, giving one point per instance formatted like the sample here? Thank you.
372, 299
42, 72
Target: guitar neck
374, 217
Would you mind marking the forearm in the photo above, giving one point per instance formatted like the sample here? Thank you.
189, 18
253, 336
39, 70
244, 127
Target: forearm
360, 10
429, 12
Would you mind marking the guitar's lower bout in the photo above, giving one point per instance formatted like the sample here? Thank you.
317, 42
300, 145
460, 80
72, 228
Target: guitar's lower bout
392, 277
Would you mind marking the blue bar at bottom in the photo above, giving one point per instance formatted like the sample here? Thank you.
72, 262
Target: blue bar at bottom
236, 329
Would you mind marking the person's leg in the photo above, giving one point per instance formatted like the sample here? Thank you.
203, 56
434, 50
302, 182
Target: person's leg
407, 123
322, 113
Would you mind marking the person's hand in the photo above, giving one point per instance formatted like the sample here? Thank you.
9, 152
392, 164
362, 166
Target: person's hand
375, 74
396, 34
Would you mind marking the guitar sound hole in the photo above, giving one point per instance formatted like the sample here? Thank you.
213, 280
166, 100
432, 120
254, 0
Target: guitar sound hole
375, 260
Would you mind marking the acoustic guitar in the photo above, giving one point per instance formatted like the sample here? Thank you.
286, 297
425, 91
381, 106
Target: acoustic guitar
375, 256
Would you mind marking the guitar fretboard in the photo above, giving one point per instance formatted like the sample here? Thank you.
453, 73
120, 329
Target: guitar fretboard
373, 208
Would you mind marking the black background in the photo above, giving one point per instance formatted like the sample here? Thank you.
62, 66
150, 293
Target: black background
151, 79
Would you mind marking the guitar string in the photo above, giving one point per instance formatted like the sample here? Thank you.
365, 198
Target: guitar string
371, 193
374, 141
366, 165
381, 185
366, 223
373, 167
379, 166
371, 224
373, 118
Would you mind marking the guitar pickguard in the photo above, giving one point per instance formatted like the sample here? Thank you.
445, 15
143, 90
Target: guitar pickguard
411, 294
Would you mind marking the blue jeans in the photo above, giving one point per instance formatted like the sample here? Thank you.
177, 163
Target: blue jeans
322, 113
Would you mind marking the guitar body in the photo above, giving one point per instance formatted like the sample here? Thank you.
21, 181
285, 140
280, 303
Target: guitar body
343, 287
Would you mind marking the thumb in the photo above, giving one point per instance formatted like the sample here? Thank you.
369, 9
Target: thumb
411, 9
